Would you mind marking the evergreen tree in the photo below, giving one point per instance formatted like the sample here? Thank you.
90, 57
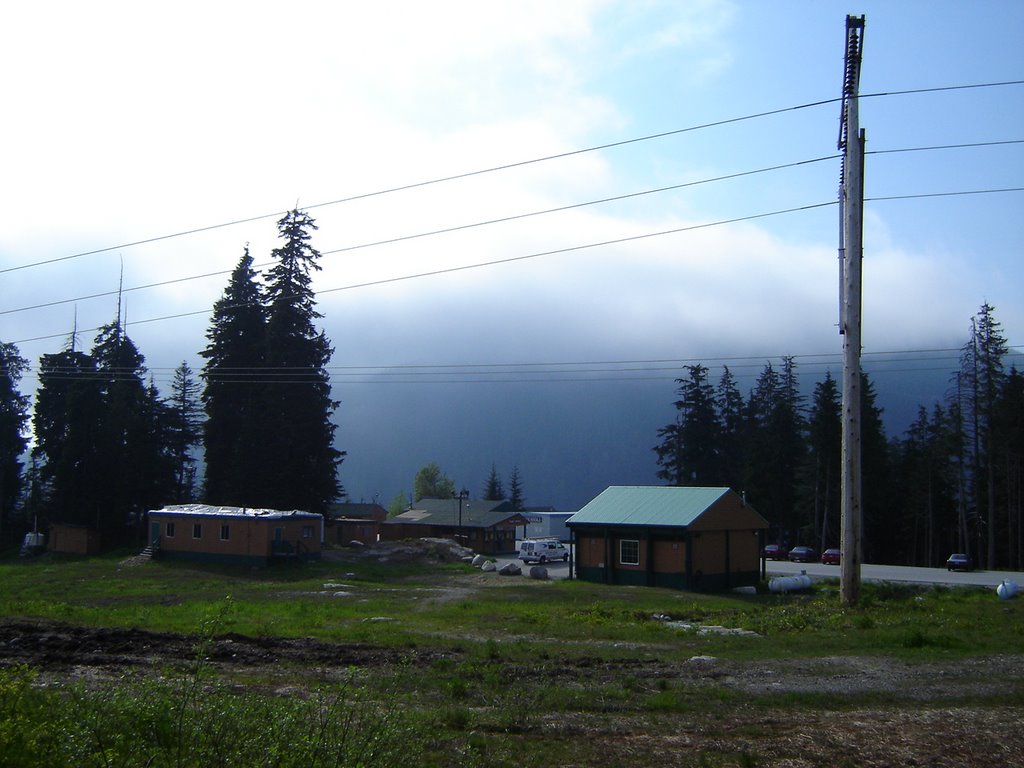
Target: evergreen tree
126, 455
926, 515
515, 490
185, 430
1009, 441
688, 453
820, 489
13, 419
730, 409
65, 422
983, 374
159, 460
775, 427
237, 467
297, 417
877, 496
494, 489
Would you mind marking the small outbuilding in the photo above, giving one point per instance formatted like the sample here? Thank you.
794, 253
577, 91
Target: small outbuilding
234, 535
701, 539
486, 526
352, 521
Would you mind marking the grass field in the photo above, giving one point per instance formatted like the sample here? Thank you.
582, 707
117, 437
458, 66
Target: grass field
357, 662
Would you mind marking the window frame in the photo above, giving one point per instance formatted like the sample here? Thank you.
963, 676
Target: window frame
197, 530
225, 531
634, 543
169, 529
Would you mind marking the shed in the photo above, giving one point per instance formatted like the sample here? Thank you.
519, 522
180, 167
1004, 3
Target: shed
702, 539
484, 525
354, 521
74, 539
234, 535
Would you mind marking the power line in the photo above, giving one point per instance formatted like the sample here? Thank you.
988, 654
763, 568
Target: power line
495, 262
945, 194
812, 360
514, 217
504, 167
511, 259
430, 182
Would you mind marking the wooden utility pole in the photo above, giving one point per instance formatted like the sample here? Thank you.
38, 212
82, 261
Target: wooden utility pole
851, 203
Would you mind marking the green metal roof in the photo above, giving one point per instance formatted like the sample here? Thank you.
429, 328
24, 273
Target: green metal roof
647, 505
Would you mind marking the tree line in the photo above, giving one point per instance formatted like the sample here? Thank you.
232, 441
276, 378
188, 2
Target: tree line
953, 482
432, 483
108, 446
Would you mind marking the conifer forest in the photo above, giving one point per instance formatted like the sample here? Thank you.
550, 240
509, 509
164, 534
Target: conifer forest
99, 445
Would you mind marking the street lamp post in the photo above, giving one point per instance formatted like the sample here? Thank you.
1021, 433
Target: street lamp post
463, 494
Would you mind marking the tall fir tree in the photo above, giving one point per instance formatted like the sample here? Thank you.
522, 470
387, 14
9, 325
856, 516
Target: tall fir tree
14, 411
236, 464
775, 431
1009, 442
65, 422
689, 451
297, 418
127, 457
516, 498
494, 489
819, 493
185, 430
877, 496
983, 373
730, 409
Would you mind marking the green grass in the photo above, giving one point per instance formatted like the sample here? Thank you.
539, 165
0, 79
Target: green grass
513, 664
396, 606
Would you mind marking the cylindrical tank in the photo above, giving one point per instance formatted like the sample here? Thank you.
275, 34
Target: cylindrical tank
790, 583
1007, 589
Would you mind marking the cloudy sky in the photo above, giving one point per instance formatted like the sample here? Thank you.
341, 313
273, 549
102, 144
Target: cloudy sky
487, 299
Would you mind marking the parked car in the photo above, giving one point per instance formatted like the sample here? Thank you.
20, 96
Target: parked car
803, 555
831, 557
958, 561
774, 552
543, 551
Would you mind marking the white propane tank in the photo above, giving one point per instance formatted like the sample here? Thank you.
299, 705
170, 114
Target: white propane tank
1007, 589
790, 583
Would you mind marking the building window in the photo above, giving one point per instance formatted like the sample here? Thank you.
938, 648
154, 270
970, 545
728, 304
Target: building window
629, 552
197, 530
225, 532
169, 531
307, 531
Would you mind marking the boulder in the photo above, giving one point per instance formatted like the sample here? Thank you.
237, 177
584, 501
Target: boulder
510, 569
538, 572
478, 560
488, 566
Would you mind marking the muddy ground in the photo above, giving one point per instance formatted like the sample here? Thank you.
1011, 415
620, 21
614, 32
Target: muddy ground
928, 714
930, 726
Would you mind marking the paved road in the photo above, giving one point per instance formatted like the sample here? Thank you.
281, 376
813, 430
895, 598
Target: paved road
868, 572
871, 572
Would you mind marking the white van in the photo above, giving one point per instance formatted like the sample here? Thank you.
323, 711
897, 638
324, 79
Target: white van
543, 551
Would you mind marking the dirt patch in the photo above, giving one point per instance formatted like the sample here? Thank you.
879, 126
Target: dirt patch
930, 726
51, 646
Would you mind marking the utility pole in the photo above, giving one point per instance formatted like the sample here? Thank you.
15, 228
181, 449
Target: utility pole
851, 252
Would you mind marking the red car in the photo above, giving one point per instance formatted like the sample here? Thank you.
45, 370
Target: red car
831, 557
774, 552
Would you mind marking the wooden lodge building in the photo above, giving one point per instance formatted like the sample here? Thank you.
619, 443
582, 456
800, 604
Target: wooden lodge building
701, 539
486, 526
